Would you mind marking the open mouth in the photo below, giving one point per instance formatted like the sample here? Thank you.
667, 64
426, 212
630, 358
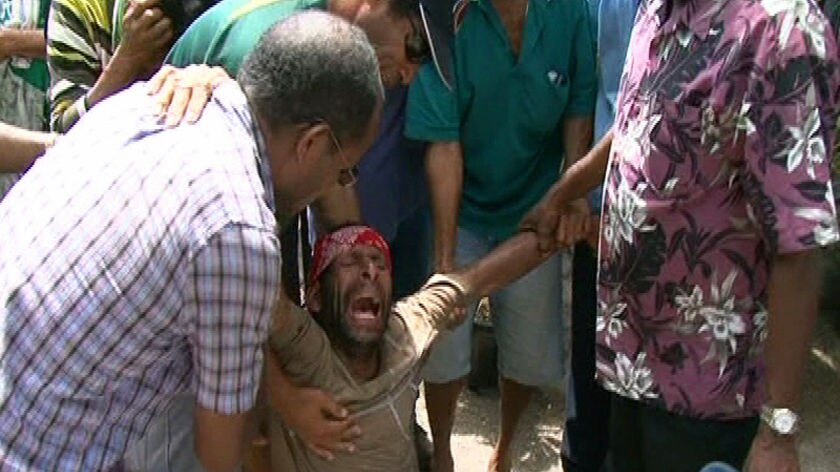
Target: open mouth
365, 309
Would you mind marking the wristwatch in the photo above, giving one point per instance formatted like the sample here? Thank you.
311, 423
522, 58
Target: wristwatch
782, 421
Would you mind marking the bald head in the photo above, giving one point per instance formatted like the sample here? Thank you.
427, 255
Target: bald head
310, 67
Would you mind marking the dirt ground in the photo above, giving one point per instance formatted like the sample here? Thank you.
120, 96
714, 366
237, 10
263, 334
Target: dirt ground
538, 442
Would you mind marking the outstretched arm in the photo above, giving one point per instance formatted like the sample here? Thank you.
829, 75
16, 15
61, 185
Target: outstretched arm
509, 261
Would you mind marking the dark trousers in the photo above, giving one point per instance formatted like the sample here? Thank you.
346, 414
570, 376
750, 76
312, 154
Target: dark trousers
586, 437
648, 439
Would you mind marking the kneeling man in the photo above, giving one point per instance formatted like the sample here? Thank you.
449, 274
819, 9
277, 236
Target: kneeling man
365, 351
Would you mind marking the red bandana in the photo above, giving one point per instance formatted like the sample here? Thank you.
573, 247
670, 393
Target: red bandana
331, 245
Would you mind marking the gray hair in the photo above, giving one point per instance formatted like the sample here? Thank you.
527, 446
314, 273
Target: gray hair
314, 66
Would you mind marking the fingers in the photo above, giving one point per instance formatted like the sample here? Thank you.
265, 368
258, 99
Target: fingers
545, 229
321, 452
165, 90
178, 105
154, 84
161, 33
330, 408
198, 100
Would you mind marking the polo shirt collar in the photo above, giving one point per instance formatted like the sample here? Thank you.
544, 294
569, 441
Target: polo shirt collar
695, 16
534, 21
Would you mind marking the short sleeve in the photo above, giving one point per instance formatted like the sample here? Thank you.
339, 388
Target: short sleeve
235, 278
431, 310
788, 116
432, 110
584, 82
73, 59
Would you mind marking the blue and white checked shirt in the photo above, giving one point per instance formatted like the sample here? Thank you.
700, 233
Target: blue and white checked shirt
142, 262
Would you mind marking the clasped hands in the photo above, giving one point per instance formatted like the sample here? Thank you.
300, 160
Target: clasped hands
561, 224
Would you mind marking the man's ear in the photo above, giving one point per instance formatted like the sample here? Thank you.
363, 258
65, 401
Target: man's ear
311, 140
313, 297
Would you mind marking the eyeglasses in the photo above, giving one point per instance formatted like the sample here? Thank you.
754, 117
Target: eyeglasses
348, 174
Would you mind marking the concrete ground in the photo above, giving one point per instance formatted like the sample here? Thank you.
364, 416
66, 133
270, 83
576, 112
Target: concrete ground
538, 443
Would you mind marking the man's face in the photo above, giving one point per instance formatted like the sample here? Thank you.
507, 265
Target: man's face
355, 298
309, 160
389, 34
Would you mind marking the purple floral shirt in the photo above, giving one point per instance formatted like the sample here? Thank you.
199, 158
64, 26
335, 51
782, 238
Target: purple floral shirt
720, 160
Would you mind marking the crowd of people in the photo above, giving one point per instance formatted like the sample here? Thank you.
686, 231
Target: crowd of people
253, 228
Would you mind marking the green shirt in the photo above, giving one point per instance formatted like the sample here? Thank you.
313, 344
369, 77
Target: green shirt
27, 14
507, 111
226, 33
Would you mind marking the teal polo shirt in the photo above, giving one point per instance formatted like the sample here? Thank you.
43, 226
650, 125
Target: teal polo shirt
226, 33
508, 111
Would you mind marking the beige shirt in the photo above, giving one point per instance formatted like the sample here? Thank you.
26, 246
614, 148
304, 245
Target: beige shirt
383, 407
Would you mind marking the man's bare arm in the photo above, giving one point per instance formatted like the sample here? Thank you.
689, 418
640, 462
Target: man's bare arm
507, 262
578, 179
577, 137
219, 439
445, 176
22, 43
794, 292
21, 147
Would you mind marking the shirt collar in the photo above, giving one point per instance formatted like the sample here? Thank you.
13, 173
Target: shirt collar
695, 16
262, 163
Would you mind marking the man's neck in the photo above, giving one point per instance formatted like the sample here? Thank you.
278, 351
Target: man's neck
362, 363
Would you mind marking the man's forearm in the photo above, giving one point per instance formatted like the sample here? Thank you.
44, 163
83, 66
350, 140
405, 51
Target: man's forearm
445, 175
793, 306
585, 174
22, 43
21, 147
116, 76
577, 138
506, 263
337, 207
219, 439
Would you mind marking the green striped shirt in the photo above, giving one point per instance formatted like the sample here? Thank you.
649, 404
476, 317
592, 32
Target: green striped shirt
79, 47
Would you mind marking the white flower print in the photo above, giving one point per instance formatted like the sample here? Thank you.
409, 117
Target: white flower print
627, 214
759, 320
689, 306
801, 14
807, 143
611, 319
630, 379
717, 316
743, 122
635, 141
825, 230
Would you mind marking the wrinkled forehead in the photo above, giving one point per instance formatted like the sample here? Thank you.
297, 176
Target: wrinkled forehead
361, 251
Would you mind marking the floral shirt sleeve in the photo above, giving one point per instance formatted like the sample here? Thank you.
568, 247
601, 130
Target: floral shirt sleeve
789, 115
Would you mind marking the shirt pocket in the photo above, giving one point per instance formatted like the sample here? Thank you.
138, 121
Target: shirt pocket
690, 144
542, 98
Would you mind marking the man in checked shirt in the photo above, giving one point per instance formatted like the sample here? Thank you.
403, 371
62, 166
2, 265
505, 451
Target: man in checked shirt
143, 261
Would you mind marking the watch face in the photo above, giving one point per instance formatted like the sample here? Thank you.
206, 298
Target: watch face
783, 422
